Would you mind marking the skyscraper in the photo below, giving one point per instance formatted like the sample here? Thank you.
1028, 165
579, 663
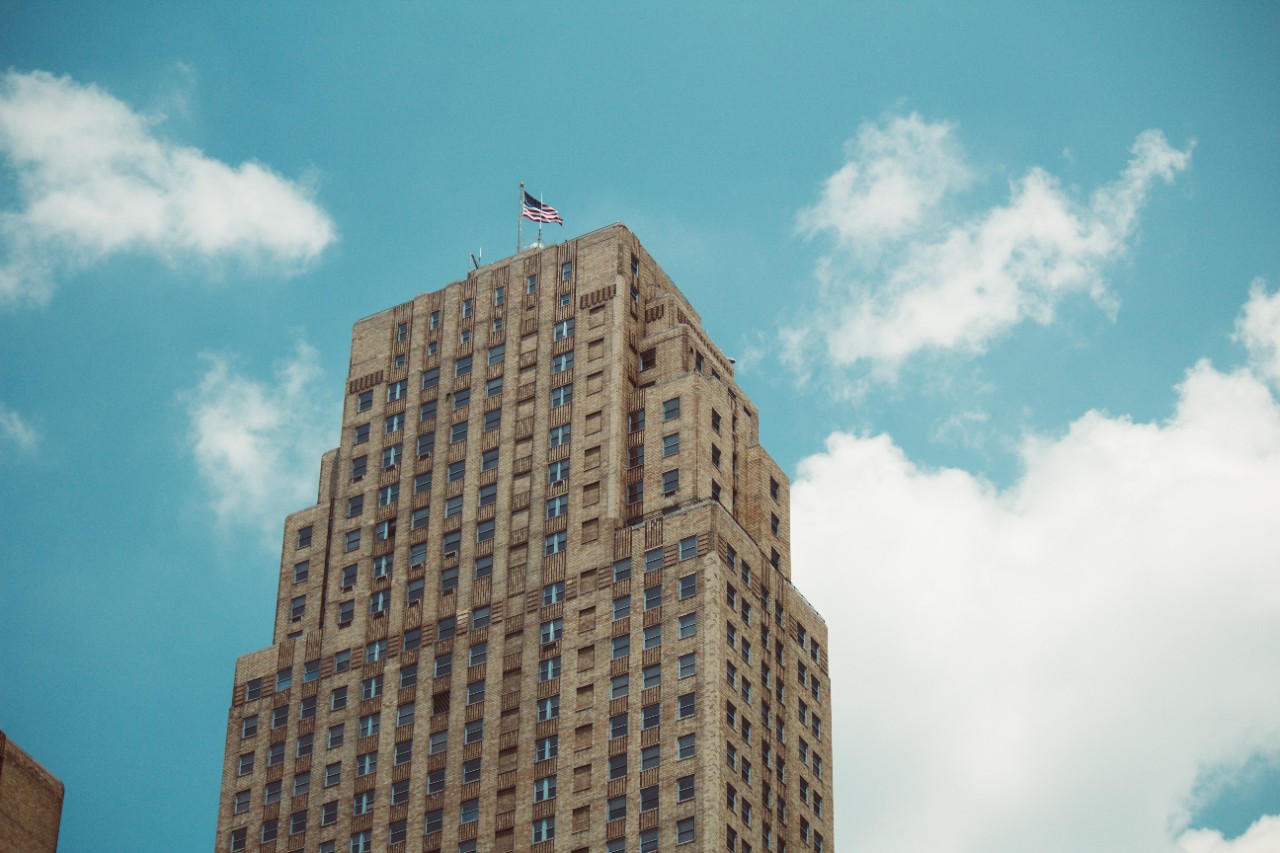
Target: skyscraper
544, 600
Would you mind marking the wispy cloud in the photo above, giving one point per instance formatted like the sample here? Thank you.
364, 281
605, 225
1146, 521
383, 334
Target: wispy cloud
1054, 665
1262, 837
16, 432
905, 275
93, 179
257, 444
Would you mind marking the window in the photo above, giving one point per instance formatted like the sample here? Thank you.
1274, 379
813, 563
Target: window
566, 270
552, 593
650, 757
304, 536
651, 676
621, 607
688, 547
359, 466
468, 306
457, 470
544, 829
337, 735
270, 828
245, 765
473, 731
621, 647
557, 472
671, 444
562, 330
688, 625
557, 506
617, 766
715, 421
546, 747
548, 708
555, 543
635, 456
562, 362
414, 590
531, 284
773, 488
453, 506
435, 782
380, 602
443, 664
617, 726
686, 746
438, 742
471, 771
475, 692
635, 420
338, 698
478, 653
558, 436
362, 842
249, 726
562, 396
397, 390
384, 530
297, 607
280, 717
685, 826
635, 492
371, 687
394, 423
493, 387
686, 705
370, 724
462, 366
671, 409
462, 399
549, 668
652, 597
688, 664
362, 803
346, 611
544, 789
619, 686
364, 402
651, 715
275, 753
332, 774
551, 630
617, 808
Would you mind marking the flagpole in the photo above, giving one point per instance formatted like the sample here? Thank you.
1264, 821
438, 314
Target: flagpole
539, 222
520, 219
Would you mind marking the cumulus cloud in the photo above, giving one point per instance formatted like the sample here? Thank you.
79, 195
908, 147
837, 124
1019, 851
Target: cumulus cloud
1262, 837
16, 432
257, 444
903, 277
93, 179
1258, 328
1052, 666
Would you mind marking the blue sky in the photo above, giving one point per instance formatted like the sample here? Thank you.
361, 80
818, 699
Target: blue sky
1001, 281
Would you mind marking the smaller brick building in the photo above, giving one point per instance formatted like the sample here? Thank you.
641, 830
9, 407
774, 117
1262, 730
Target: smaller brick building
30, 802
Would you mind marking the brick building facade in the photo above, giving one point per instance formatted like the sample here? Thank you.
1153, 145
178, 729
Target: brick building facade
30, 802
543, 602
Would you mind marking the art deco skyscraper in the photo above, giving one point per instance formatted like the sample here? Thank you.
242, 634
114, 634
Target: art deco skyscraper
543, 602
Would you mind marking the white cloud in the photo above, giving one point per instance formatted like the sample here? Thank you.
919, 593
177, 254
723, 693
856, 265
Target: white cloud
93, 179
954, 284
1258, 328
15, 431
1262, 837
895, 177
258, 444
1052, 666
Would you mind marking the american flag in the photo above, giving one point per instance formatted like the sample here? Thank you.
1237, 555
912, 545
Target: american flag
539, 212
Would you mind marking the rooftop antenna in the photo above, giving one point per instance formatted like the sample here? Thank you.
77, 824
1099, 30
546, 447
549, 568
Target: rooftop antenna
475, 258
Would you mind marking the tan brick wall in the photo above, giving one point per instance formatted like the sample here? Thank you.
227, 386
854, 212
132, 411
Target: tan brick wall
30, 802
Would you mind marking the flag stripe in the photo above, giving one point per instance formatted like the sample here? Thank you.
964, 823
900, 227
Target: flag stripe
538, 211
